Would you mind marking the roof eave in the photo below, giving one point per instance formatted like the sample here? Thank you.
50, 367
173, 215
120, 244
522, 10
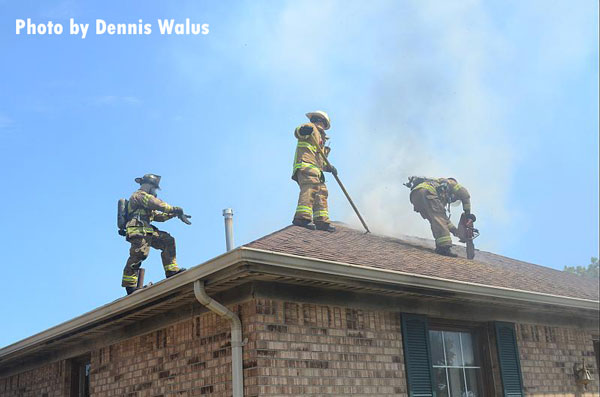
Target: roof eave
127, 303
292, 262
346, 270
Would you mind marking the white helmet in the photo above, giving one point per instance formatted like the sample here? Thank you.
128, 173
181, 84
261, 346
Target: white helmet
321, 115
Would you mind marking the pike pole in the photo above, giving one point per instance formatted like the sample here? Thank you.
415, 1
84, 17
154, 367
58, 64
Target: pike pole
344, 190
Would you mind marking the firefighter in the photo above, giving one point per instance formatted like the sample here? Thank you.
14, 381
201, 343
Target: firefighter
142, 209
308, 173
430, 197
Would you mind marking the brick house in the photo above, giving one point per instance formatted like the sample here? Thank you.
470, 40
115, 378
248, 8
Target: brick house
321, 314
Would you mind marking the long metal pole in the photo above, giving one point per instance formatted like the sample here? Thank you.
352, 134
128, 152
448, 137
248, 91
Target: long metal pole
344, 190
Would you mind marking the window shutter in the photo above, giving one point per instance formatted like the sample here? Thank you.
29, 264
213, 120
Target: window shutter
415, 337
508, 356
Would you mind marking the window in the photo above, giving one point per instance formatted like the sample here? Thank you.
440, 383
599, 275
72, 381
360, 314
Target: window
455, 363
447, 358
597, 352
80, 376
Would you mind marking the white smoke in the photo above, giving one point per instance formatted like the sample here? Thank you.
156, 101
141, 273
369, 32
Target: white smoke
413, 88
432, 114
440, 110
405, 80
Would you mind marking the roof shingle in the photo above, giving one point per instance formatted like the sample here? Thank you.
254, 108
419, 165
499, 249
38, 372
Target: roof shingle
416, 256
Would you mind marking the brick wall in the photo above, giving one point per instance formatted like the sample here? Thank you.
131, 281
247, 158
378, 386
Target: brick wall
47, 381
547, 358
308, 349
190, 358
292, 348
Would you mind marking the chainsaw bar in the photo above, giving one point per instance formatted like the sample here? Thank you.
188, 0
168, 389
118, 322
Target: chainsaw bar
470, 249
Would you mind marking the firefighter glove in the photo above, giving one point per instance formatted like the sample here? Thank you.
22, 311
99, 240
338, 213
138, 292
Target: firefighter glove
306, 130
185, 218
333, 170
178, 211
454, 230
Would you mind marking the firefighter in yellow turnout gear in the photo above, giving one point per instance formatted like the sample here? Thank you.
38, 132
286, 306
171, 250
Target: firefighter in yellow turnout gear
308, 173
143, 208
430, 197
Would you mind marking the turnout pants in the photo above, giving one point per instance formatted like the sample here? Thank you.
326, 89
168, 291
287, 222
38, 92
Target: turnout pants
312, 201
140, 248
431, 208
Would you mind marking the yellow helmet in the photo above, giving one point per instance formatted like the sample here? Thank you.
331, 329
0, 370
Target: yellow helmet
321, 115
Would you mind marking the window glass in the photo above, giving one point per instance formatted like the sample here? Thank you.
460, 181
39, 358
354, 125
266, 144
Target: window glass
467, 349
437, 348
457, 381
456, 369
452, 345
473, 381
441, 382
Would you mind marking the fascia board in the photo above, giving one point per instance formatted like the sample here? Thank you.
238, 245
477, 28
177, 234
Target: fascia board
346, 270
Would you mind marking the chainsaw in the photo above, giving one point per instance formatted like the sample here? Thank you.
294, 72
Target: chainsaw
467, 233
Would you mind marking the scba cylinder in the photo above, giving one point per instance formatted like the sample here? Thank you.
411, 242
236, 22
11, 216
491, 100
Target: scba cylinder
38, 28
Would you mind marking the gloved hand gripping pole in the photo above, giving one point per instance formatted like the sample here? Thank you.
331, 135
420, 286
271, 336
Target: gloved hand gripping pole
344, 190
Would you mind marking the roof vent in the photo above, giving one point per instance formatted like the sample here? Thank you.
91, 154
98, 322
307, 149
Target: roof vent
228, 215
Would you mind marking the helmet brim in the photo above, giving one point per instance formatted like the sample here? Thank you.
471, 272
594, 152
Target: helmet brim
142, 180
311, 115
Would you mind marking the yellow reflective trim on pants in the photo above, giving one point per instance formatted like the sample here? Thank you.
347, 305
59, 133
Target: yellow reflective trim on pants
139, 230
304, 208
171, 267
307, 145
444, 240
425, 185
322, 214
130, 280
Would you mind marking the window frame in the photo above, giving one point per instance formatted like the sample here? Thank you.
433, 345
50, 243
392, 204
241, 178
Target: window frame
79, 379
482, 347
596, 344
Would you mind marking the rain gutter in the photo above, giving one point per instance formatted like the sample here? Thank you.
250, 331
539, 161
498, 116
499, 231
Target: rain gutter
293, 262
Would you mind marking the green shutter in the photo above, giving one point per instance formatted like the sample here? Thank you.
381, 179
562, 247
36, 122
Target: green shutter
508, 356
415, 337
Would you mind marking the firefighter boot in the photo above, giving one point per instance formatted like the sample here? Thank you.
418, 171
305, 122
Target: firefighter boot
131, 290
303, 223
328, 227
445, 251
171, 273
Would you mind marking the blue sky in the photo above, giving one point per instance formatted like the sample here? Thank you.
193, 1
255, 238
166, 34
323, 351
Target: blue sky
502, 95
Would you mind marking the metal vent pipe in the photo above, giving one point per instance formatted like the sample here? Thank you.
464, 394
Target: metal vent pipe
228, 215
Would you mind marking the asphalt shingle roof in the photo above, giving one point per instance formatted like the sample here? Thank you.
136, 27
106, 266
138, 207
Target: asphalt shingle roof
416, 256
